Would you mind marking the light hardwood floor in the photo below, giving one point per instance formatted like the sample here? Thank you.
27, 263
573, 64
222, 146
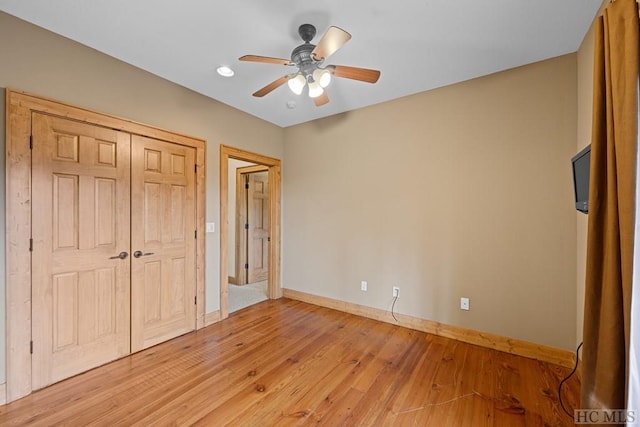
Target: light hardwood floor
286, 362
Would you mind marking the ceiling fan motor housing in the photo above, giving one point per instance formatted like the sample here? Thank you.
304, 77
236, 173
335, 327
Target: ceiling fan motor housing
301, 56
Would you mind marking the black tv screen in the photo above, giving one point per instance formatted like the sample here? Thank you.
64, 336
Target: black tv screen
581, 163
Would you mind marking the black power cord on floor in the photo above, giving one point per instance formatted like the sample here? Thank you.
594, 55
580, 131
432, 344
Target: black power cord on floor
565, 379
393, 305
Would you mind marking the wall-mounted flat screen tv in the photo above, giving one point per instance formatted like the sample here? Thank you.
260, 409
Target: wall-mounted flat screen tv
581, 163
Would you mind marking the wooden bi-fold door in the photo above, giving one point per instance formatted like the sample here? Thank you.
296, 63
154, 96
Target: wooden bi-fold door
114, 252
80, 263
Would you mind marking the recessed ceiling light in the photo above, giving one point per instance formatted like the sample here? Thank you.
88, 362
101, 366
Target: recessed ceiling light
225, 71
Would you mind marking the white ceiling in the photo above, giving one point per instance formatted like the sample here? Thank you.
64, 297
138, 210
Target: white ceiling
417, 44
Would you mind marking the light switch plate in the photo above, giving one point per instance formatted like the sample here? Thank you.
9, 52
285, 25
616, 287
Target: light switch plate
211, 227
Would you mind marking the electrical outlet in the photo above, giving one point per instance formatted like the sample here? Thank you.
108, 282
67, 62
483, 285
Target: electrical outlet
464, 303
363, 285
396, 292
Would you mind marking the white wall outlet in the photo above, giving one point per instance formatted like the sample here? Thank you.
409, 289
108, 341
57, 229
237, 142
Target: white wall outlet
464, 303
211, 227
363, 285
396, 292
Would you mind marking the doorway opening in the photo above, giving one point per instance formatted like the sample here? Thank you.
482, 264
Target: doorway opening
252, 254
248, 249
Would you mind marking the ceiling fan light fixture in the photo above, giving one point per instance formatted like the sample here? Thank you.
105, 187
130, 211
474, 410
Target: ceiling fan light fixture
296, 84
315, 90
309, 60
322, 76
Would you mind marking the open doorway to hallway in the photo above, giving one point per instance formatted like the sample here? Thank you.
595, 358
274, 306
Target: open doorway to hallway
251, 234
248, 248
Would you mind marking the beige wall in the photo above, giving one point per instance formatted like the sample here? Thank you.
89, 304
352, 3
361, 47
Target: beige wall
39, 62
460, 191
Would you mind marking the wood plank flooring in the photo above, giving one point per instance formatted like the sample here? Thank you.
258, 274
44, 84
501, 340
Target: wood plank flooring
285, 362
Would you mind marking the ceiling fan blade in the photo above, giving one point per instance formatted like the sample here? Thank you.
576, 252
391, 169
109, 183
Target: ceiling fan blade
322, 99
355, 73
331, 41
265, 59
271, 86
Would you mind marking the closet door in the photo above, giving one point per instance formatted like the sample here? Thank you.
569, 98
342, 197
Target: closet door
80, 263
163, 285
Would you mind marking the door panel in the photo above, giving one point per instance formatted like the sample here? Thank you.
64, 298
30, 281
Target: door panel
163, 230
81, 193
258, 233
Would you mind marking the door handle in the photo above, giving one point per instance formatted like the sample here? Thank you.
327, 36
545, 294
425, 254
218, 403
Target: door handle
121, 255
138, 254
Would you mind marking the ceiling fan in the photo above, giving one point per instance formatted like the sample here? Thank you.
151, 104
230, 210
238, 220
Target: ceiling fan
309, 60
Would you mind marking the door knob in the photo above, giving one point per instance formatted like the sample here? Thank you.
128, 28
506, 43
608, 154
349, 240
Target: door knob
138, 254
121, 255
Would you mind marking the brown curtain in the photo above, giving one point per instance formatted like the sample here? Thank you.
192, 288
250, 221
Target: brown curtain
607, 311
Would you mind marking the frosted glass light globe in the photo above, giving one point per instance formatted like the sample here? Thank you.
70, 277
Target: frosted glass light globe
296, 84
322, 76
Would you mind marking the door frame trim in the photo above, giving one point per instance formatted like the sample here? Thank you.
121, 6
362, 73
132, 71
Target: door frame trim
19, 107
274, 289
